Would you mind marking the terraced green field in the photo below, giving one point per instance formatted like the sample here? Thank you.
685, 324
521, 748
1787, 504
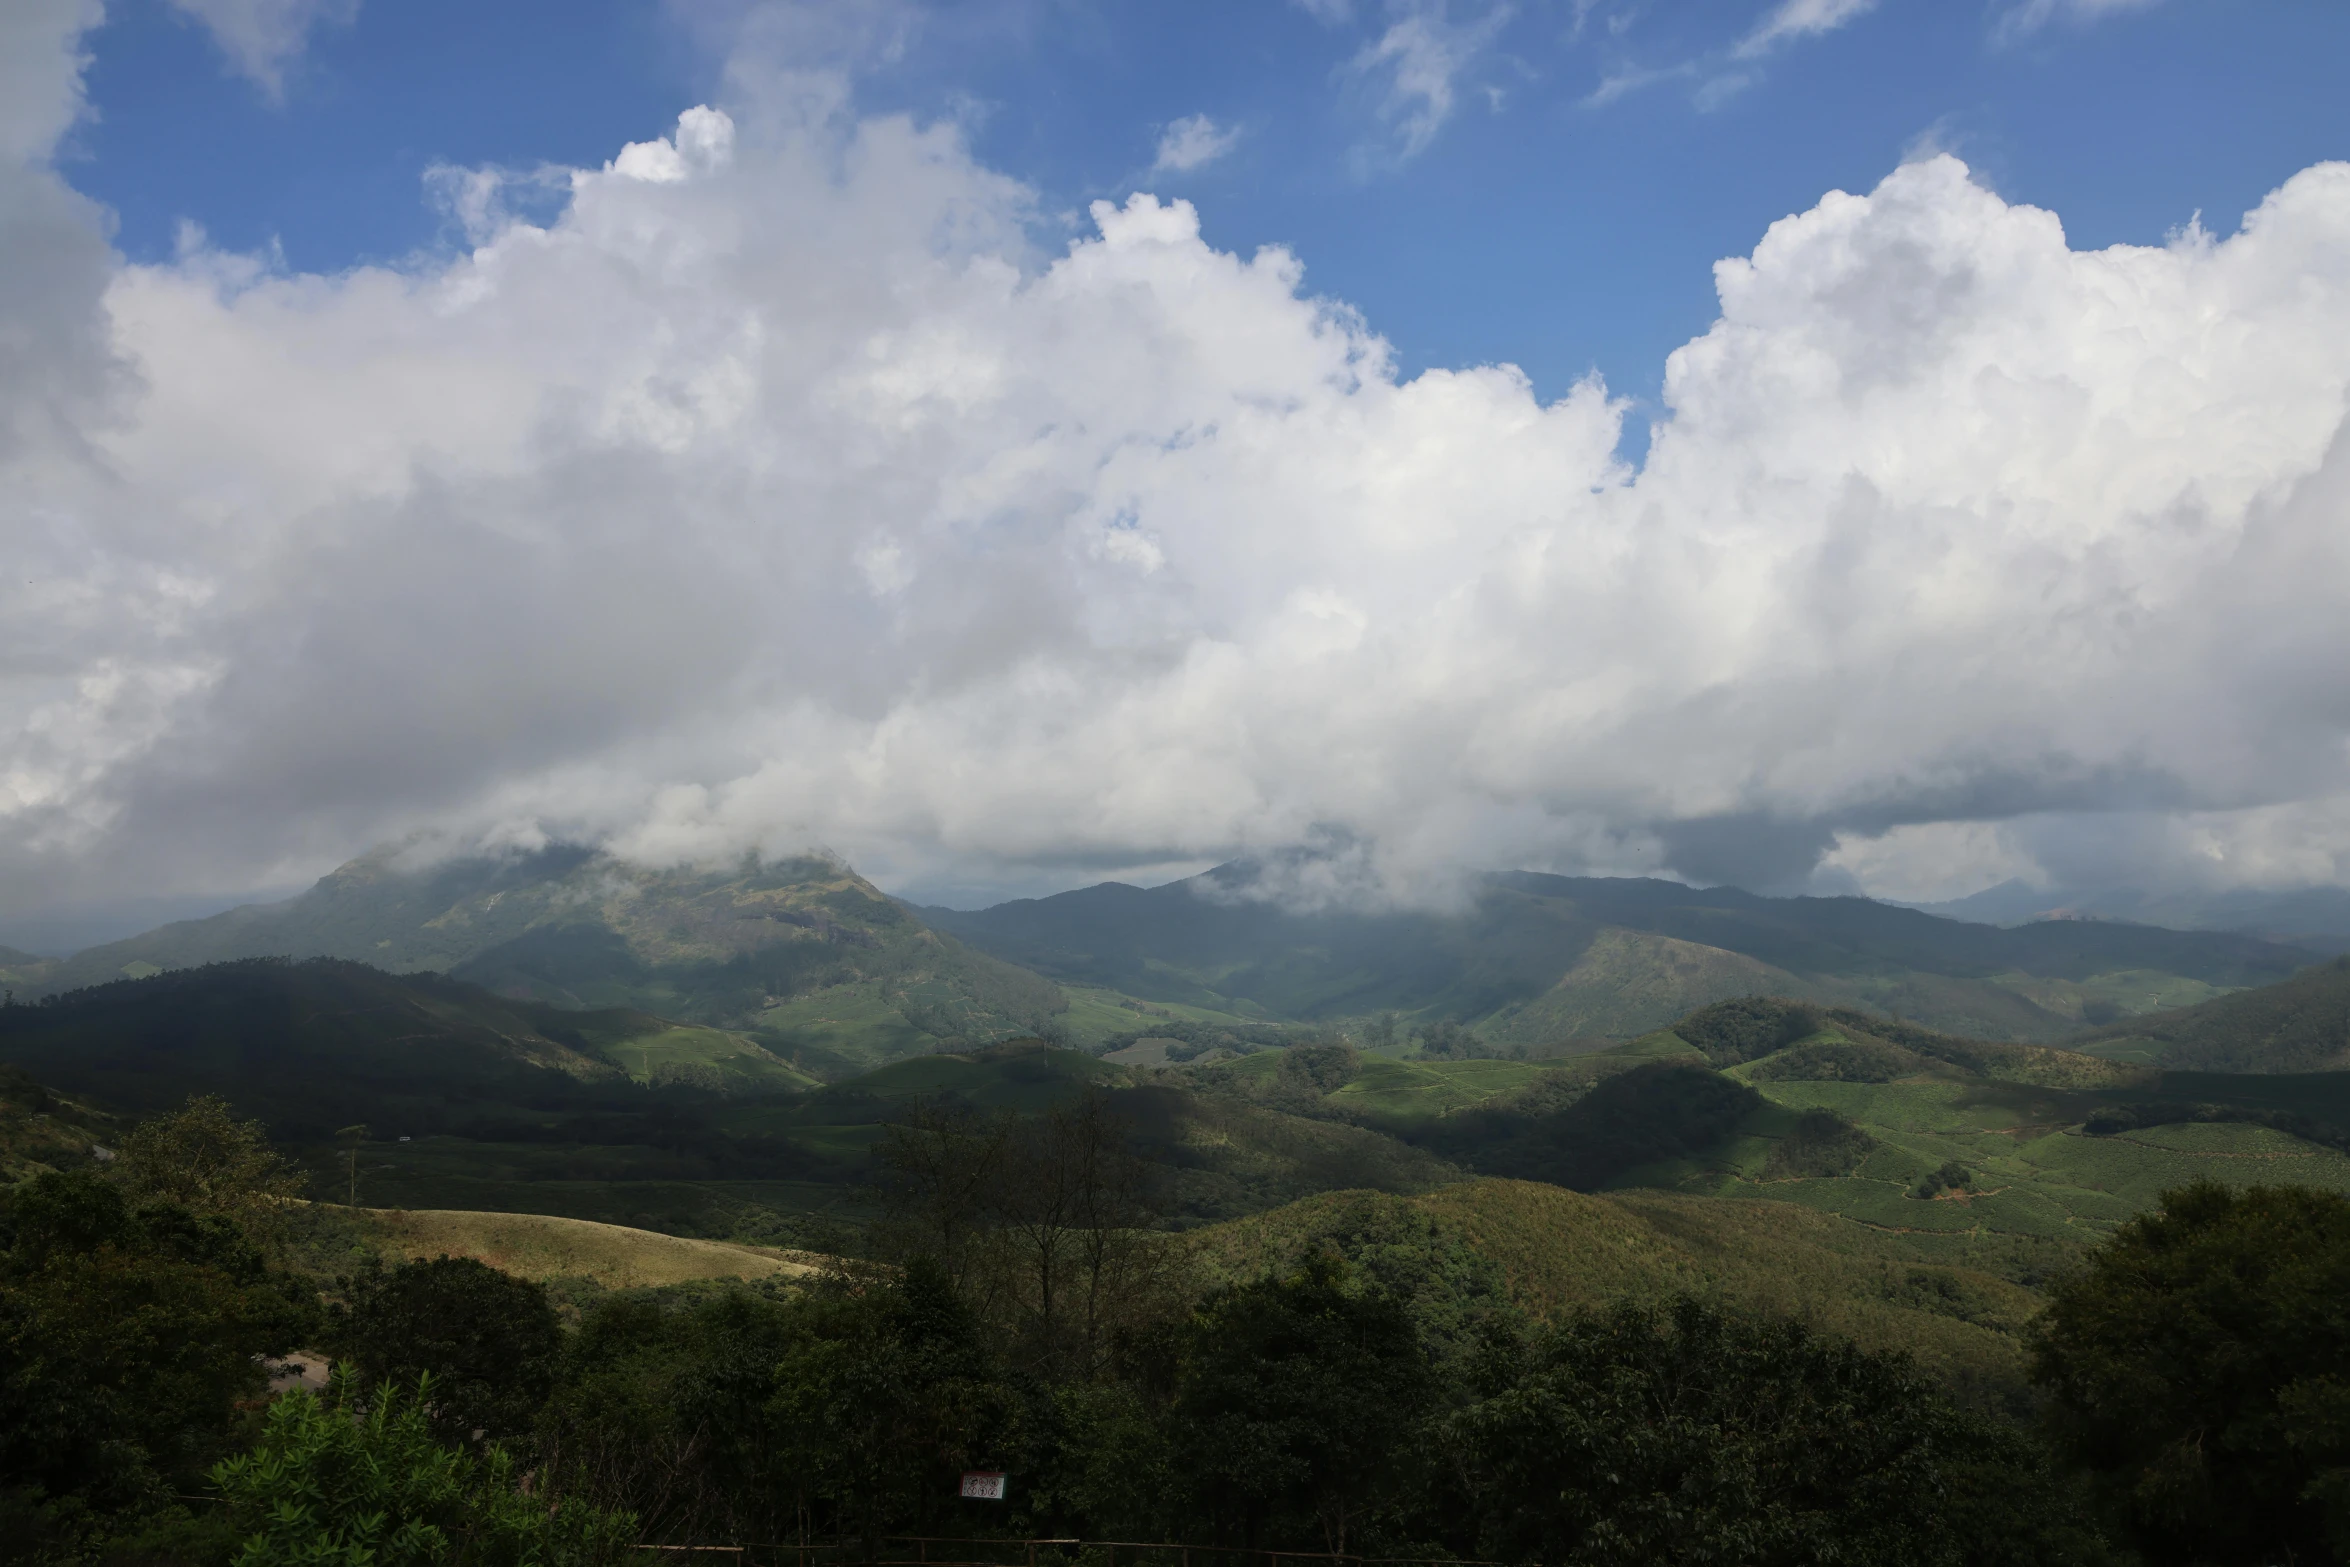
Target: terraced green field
1096, 1014
2034, 1172
1415, 1090
683, 1053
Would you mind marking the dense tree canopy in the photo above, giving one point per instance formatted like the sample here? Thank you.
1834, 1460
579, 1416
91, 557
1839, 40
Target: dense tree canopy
2200, 1367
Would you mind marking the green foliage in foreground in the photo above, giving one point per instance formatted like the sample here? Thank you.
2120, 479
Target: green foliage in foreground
1688, 1434
2201, 1367
484, 1340
346, 1482
130, 1345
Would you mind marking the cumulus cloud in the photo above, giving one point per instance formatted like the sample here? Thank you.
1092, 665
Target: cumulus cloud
779, 491
1193, 142
262, 37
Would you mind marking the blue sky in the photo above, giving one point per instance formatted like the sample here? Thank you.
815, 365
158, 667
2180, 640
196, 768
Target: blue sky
699, 426
1536, 225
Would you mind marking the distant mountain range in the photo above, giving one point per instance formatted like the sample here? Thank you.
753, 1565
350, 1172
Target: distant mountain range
2314, 917
1539, 958
811, 962
803, 948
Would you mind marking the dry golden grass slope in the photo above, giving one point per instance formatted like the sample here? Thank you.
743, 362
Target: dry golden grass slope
542, 1247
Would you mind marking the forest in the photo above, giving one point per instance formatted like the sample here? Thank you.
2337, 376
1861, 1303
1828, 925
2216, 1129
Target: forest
1017, 1313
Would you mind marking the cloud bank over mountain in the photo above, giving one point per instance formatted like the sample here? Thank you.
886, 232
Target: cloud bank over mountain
787, 487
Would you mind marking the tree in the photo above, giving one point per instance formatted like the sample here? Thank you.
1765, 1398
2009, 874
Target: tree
207, 1161
1691, 1435
131, 1342
884, 1396
324, 1489
1300, 1407
1040, 1223
2200, 1368
673, 1415
488, 1340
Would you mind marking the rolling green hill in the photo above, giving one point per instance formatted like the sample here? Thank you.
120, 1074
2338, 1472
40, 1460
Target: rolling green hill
23, 971
803, 951
2301, 1025
1549, 1251
1537, 960
319, 1044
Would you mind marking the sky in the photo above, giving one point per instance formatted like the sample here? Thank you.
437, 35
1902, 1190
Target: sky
1818, 444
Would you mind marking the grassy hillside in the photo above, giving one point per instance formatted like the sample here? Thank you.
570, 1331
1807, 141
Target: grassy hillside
1538, 961
24, 972
804, 951
41, 1129
1553, 1250
2301, 1025
536, 1246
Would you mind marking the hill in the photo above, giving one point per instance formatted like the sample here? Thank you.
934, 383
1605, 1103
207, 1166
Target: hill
1549, 1251
535, 1246
2299, 1025
482, 1103
315, 1045
24, 971
1536, 959
41, 1129
1979, 1147
804, 952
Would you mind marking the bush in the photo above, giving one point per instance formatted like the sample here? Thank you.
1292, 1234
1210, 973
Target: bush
1951, 1177
1319, 1069
326, 1490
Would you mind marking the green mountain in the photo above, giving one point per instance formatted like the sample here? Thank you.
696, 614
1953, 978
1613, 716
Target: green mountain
805, 952
1535, 960
316, 1045
24, 971
2300, 1025
479, 1101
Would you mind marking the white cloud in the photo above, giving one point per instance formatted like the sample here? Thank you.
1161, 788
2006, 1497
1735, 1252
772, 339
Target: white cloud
2030, 16
262, 37
776, 491
1193, 142
1417, 63
1799, 19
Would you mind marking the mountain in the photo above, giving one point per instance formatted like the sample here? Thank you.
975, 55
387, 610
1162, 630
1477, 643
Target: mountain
1537, 959
316, 1045
2314, 917
805, 952
24, 971
2299, 1025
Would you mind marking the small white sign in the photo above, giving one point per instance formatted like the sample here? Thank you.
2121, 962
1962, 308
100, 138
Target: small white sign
985, 1484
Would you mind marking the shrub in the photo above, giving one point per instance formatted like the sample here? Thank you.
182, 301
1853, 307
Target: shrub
326, 1490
